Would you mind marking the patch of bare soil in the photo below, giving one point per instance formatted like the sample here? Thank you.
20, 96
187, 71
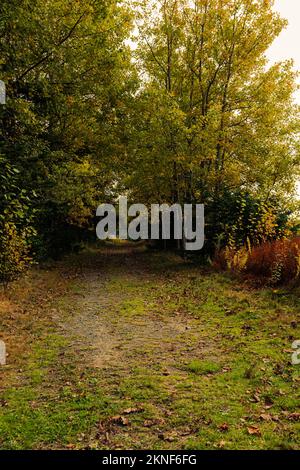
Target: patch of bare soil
104, 337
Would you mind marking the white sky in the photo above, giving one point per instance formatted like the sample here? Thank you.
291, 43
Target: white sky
287, 45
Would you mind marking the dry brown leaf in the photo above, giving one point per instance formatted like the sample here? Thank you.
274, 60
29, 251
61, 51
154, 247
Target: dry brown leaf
129, 411
224, 427
253, 431
222, 444
169, 437
294, 416
121, 420
70, 446
266, 417
153, 422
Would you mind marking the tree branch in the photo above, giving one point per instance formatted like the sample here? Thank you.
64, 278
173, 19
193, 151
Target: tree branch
49, 53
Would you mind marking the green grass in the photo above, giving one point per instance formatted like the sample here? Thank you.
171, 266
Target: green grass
203, 367
230, 371
52, 407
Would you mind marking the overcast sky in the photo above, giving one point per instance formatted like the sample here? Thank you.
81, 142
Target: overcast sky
287, 45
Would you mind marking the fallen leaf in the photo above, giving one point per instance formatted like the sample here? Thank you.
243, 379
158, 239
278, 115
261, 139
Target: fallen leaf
121, 420
268, 407
266, 417
133, 410
294, 416
148, 423
70, 446
253, 431
224, 427
170, 437
268, 403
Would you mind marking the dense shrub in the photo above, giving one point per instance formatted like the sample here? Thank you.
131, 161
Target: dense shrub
14, 252
275, 262
236, 218
16, 224
278, 261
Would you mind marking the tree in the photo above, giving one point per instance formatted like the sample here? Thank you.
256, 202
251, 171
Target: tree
65, 65
215, 116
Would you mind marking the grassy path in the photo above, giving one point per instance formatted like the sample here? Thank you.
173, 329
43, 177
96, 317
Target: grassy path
120, 348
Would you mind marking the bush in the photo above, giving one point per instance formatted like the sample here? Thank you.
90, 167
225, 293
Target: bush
14, 252
236, 218
276, 262
16, 219
231, 259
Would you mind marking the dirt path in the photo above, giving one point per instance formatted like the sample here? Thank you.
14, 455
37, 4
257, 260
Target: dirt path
117, 317
124, 348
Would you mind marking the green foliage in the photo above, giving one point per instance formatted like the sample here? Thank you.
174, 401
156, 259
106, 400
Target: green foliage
16, 224
237, 218
14, 252
214, 115
192, 114
65, 65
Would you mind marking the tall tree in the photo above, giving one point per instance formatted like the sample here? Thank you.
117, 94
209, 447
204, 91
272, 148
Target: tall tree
65, 65
215, 114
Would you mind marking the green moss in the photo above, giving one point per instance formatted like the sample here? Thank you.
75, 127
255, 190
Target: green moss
203, 367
